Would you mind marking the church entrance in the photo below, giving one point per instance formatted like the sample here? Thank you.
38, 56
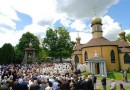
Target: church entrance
97, 65
97, 68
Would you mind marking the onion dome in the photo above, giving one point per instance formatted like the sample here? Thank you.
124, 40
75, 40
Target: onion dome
96, 20
122, 33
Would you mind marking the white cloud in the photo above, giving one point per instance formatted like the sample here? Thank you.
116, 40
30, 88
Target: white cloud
44, 14
110, 27
7, 22
9, 36
7, 10
84, 8
78, 25
41, 11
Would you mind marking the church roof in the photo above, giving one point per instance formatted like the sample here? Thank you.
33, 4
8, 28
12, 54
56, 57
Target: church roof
101, 41
77, 47
77, 52
122, 43
29, 49
124, 50
96, 59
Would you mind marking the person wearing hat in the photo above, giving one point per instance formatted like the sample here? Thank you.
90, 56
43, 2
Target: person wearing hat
113, 85
103, 81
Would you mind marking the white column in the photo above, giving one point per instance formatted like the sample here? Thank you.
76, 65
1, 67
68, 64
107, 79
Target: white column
101, 68
93, 68
105, 73
89, 66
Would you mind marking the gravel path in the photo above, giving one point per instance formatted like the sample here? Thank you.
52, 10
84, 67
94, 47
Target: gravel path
117, 83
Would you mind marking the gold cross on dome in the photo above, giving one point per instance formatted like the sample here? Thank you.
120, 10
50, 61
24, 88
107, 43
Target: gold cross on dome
120, 26
95, 10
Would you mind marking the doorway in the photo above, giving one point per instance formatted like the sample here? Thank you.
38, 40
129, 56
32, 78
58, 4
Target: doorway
97, 70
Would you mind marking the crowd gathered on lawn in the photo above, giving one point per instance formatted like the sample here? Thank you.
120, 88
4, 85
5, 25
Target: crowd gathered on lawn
54, 76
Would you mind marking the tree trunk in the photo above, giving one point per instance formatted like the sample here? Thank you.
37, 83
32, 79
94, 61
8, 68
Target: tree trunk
60, 59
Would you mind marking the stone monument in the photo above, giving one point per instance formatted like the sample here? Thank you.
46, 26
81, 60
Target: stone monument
29, 54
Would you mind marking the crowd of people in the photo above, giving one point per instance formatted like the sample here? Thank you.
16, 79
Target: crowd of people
56, 76
62, 76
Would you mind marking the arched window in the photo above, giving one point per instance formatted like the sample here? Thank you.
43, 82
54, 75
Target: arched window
76, 59
85, 56
112, 56
126, 58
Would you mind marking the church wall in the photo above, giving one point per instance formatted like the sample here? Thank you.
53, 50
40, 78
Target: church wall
123, 66
97, 34
106, 54
103, 52
80, 58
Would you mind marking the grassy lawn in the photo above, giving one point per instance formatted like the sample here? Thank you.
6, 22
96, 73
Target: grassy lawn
111, 75
116, 75
108, 88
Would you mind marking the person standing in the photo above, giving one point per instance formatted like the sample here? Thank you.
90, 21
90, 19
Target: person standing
125, 75
103, 81
113, 85
94, 81
121, 86
122, 72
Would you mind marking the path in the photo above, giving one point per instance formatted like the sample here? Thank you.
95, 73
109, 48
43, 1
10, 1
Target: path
117, 83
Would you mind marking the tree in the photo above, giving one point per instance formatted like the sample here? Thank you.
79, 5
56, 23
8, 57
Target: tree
0, 55
128, 37
24, 43
7, 53
58, 43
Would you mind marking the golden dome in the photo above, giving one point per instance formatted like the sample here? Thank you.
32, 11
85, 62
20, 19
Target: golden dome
122, 33
96, 20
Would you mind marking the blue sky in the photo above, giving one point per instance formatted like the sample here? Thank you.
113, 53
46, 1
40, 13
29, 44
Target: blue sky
120, 13
20, 16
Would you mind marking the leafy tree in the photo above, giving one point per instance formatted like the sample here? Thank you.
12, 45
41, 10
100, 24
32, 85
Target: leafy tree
24, 43
128, 37
7, 53
58, 43
0, 55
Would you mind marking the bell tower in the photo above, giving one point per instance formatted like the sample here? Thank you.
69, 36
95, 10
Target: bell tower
78, 38
96, 25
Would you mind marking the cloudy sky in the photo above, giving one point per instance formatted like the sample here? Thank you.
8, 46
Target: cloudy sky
20, 16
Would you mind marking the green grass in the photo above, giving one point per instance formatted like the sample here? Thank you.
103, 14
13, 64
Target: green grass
110, 75
108, 88
116, 75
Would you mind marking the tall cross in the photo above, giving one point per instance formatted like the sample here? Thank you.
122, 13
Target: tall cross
120, 26
95, 12
78, 33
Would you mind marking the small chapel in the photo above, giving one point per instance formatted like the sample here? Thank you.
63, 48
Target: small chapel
100, 54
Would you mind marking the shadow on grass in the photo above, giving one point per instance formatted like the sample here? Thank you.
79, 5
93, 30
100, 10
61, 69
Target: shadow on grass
111, 75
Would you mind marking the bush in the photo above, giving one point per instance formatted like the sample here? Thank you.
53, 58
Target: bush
86, 74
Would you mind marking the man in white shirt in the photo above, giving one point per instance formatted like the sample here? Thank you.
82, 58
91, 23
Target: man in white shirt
113, 85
